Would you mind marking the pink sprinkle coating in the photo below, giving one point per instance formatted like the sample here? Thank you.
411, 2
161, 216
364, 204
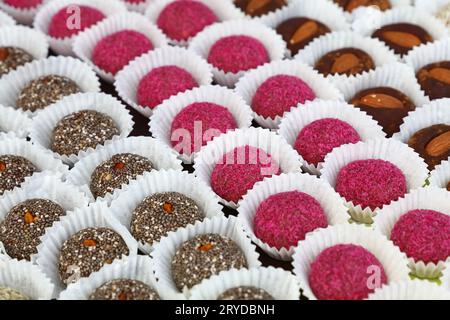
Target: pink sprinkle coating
371, 183
113, 52
278, 94
423, 235
62, 26
320, 137
238, 53
342, 272
183, 19
283, 219
239, 170
23, 4
162, 83
203, 121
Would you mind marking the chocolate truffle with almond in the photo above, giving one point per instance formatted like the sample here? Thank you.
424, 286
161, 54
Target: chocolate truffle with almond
13, 171
245, 293
345, 61
350, 5
124, 289
11, 58
388, 106
257, 8
434, 79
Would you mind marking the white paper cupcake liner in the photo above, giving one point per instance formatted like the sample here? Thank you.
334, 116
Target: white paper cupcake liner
25, 278
45, 122
96, 215
128, 200
280, 284
436, 8
136, 7
74, 69
298, 118
440, 176
280, 151
331, 203
427, 199
202, 43
6, 20
84, 44
14, 121
165, 250
428, 53
224, 10
410, 290
130, 268
162, 119
369, 12
160, 156
45, 15
393, 261
445, 279
397, 153
377, 50
248, 85
128, 79
24, 16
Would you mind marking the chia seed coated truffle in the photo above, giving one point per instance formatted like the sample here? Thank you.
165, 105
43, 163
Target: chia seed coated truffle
160, 213
239, 170
25, 224
60, 28
82, 130
11, 294
278, 94
238, 53
87, 251
423, 235
320, 137
163, 82
183, 19
13, 171
371, 183
23, 4
245, 293
126, 45
203, 256
283, 219
210, 117
11, 58
120, 169
124, 289
44, 91
341, 272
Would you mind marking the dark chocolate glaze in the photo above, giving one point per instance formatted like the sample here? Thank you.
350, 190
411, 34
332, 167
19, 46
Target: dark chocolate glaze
350, 5
260, 7
434, 79
328, 63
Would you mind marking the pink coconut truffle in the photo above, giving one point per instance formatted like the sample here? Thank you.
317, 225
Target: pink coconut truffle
278, 94
371, 183
183, 19
423, 235
283, 219
23, 4
199, 123
60, 28
163, 82
239, 170
113, 52
341, 272
238, 53
320, 137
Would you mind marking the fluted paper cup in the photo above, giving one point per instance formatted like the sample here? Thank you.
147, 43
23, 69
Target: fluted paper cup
22, 15
439, 8
440, 176
14, 122
137, 6
6, 20
410, 290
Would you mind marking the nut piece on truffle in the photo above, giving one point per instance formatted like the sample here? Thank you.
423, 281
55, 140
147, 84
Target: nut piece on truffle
434, 79
245, 293
11, 294
345, 61
11, 58
13, 171
124, 289
257, 8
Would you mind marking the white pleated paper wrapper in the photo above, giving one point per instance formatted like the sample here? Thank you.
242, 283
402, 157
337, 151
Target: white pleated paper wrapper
280, 151
79, 72
440, 176
224, 10
124, 204
63, 46
45, 122
202, 43
95, 216
22, 15
298, 118
6, 20
410, 290
280, 284
413, 167
162, 119
445, 279
160, 156
331, 203
377, 50
136, 7
426, 199
129, 78
438, 8
85, 43
249, 84
165, 250
14, 121
393, 261
26, 278
130, 268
